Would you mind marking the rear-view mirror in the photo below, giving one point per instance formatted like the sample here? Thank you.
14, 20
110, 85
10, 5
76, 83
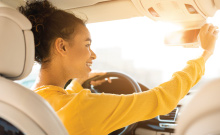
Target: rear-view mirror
186, 38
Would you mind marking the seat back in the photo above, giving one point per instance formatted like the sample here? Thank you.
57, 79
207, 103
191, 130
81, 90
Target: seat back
19, 106
201, 116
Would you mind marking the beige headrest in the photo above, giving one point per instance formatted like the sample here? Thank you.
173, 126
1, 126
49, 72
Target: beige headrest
201, 116
16, 44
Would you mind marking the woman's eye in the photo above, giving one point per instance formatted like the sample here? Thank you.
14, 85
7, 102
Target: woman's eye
88, 45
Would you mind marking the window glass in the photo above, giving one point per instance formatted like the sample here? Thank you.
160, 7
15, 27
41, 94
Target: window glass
136, 46
6, 128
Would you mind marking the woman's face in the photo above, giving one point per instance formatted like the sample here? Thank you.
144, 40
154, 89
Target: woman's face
80, 55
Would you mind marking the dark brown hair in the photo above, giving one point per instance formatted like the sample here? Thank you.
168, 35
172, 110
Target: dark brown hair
48, 24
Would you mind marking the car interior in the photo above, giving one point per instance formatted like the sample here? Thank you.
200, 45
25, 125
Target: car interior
23, 112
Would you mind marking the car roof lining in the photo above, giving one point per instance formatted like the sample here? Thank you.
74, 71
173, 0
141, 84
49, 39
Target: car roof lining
69, 4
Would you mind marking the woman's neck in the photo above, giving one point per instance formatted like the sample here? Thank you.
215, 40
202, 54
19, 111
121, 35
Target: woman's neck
51, 74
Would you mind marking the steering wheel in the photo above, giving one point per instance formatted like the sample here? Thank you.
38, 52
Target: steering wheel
119, 79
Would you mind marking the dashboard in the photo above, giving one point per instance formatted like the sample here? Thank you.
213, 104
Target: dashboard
163, 124
160, 125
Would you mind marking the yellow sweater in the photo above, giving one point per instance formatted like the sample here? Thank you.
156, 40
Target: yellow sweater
86, 113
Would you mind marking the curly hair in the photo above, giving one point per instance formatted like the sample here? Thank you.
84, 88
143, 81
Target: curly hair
48, 24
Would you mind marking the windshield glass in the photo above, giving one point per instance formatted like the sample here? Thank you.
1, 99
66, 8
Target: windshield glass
136, 46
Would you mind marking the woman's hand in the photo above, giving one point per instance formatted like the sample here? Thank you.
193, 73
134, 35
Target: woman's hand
207, 37
91, 75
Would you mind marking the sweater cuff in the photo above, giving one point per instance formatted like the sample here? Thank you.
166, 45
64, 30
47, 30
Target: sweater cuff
201, 62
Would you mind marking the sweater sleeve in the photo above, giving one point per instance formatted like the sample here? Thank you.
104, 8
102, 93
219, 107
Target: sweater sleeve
103, 113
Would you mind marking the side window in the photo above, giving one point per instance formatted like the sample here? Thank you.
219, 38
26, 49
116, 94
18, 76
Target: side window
30, 79
7, 128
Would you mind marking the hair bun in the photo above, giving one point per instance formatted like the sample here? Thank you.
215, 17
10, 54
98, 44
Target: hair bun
37, 12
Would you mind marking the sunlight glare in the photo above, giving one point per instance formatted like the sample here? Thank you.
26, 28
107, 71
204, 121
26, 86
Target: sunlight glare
141, 41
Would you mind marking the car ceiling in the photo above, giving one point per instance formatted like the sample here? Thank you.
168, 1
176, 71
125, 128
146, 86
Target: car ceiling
99, 10
91, 10
63, 4
107, 10
70, 4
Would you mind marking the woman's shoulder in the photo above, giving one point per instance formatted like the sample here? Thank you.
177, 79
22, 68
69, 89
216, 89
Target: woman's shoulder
49, 88
56, 89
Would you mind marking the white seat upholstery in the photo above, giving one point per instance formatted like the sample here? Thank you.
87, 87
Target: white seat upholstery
20, 106
201, 116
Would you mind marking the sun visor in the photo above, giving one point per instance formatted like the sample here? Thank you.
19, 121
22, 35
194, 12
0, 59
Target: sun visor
184, 12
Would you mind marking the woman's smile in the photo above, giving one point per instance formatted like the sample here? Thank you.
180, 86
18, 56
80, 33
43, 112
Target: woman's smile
89, 64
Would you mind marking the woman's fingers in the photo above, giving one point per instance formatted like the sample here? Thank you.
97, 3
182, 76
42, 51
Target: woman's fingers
216, 33
109, 80
209, 28
212, 29
99, 82
205, 28
96, 83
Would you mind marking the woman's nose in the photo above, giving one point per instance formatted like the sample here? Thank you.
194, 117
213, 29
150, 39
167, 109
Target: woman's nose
93, 55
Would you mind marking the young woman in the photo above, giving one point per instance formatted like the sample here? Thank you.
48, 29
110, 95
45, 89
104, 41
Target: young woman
62, 47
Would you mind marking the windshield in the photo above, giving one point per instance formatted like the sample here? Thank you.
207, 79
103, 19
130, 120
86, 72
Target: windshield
136, 46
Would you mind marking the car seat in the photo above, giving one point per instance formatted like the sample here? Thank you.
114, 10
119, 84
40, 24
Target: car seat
201, 116
21, 110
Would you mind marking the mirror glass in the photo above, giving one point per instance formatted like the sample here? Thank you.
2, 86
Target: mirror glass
182, 37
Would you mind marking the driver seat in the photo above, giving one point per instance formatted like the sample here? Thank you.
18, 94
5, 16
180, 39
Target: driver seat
22, 109
201, 116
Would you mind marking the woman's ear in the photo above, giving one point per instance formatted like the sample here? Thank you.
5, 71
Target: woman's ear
60, 46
